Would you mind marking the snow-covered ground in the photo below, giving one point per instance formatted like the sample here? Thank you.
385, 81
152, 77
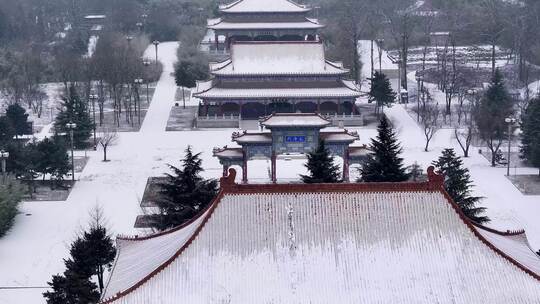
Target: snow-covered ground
34, 249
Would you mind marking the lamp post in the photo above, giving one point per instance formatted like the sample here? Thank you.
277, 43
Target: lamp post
93, 98
129, 39
510, 121
71, 127
419, 79
380, 43
138, 82
156, 43
139, 25
404, 96
398, 62
146, 64
4, 156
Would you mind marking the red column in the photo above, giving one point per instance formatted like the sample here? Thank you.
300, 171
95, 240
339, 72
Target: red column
216, 40
220, 111
338, 106
346, 165
244, 168
274, 173
205, 108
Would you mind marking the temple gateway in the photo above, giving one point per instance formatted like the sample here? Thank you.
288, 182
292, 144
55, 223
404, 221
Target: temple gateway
290, 134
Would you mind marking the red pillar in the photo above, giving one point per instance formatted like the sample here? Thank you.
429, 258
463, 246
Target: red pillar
338, 106
225, 170
220, 111
216, 40
244, 168
346, 165
205, 108
274, 173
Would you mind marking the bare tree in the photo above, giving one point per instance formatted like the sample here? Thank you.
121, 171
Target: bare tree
108, 138
430, 122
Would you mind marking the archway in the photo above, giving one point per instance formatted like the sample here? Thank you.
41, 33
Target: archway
328, 107
230, 108
253, 110
306, 107
280, 107
240, 38
291, 38
265, 38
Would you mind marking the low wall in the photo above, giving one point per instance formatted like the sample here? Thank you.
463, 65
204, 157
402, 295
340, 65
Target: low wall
210, 122
347, 120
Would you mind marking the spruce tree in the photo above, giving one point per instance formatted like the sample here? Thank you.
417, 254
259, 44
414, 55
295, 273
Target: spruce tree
321, 167
490, 114
384, 163
100, 250
53, 158
184, 193
381, 91
19, 119
7, 131
74, 109
530, 138
458, 185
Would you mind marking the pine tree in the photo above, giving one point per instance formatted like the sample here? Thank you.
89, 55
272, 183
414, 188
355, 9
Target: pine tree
7, 131
53, 158
74, 110
458, 185
18, 118
10, 196
490, 114
381, 91
530, 138
321, 167
101, 252
185, 192
384, 163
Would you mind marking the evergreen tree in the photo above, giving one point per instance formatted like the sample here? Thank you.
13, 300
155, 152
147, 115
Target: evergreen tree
53, 158
7, 131
185, 192
415, 171
530, 138
458, 185
74, 110
19, 119
188, 70
10, 195
321, 167
381, 91
494, 107
90, 254
101, 252
384, 163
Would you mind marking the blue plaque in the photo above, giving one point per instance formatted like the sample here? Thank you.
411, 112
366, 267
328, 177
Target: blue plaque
295, 139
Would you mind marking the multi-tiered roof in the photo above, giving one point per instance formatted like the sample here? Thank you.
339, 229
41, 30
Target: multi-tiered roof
263, 14
327, 243
277, 70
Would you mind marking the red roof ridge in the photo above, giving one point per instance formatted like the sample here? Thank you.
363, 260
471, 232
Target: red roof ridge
435, 183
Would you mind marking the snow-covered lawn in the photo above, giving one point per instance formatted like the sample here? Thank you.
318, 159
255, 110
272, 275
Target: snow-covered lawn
34, 249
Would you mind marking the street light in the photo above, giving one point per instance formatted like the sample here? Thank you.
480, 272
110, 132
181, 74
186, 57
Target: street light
146, 64
380, 43
129, 38
156, 43
510, 121
139, 25
138, 82
71, 127
4, 156
404, 96
93, 98
419, 79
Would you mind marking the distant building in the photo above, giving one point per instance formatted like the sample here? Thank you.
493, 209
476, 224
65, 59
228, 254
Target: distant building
261, 78
327, 243
261, 20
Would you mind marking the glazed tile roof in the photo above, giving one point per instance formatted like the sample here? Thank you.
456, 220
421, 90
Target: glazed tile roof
263, 6
346, 243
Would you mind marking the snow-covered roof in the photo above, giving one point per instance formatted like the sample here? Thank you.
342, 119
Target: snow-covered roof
278, 58
306, 24
264, 93
344, 136
95, 17
263, 6
325, 243
247, 138
294, 120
